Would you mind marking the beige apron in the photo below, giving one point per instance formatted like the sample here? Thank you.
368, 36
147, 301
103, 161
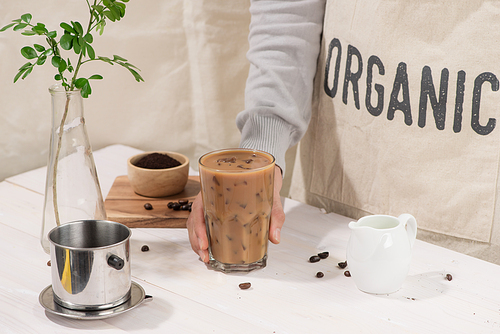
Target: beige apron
405, 115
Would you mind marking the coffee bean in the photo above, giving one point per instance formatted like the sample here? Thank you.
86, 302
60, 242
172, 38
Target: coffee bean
176, 206
148, 206
319, 274
183, 201
342, 265
347, 273
449, 277
314, 258
49, 263
244, 286
323, 255
170, 204
145, 248
185, 207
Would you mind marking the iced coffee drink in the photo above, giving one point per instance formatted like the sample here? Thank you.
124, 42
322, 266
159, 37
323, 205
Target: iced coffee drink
237, 190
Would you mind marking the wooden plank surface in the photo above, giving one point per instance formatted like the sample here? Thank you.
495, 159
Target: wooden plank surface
123, 205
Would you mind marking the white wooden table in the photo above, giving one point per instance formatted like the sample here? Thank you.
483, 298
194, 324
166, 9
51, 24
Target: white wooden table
285, 297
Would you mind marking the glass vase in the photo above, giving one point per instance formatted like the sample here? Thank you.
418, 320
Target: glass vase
72, 190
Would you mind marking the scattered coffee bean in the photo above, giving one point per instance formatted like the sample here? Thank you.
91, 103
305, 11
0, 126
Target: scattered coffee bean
145, 248
182, 204
319, 274
323, 255
49, 263
347, 273
449, 277
148, 206
342, 265
244, 286
314, 258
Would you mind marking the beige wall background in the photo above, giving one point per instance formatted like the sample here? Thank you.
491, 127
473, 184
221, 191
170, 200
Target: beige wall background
191, 55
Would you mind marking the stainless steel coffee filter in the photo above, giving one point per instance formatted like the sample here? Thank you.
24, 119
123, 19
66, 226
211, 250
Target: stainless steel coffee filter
90, 264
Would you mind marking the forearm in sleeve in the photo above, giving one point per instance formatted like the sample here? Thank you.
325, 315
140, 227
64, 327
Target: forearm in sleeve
284, 46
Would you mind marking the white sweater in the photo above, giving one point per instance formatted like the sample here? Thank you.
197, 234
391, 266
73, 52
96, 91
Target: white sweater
284, 46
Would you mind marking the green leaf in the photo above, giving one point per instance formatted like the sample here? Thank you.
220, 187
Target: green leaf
51, 41
90, 51
109, 15
28, 71
52, 34
116, 57
100, 27
25, 66
96, 77
70, 67
88, 38
62, 65
86, 90
105, 59
56, 60
80, 82
7, 26
39, 30
121, 7
136, 75
28, 52
41, 60
18, 75
98, 8
39, 48
76, 45
48, 52
58, 77
83, 47
67, 27
26, 17
28, 33
20, 26
116, 12
78, 27
66, 41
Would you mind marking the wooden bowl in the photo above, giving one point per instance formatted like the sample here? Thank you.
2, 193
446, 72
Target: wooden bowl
158, 182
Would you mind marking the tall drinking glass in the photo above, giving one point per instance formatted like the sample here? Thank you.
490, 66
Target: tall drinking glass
237, 190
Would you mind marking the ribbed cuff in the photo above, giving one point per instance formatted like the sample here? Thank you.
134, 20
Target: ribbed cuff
267, 133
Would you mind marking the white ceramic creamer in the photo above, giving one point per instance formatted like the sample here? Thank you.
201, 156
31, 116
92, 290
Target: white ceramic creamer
379, 252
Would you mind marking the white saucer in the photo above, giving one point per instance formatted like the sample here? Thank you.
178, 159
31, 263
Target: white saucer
46, 299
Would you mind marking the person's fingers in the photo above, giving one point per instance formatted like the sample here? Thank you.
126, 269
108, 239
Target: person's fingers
196, 229
277, 214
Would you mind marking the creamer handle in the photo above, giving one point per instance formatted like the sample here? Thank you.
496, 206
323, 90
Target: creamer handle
411, 226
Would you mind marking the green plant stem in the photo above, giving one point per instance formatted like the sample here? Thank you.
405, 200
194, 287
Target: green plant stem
56, 160
61, 131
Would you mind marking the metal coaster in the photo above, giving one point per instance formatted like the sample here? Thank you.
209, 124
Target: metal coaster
46, 299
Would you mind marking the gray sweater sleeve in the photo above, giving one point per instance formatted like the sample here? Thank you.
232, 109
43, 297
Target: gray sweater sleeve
284, 46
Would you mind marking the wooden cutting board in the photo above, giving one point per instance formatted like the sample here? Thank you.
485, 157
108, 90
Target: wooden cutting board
124, 206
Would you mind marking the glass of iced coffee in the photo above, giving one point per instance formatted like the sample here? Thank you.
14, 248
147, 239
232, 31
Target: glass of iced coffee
237, 190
